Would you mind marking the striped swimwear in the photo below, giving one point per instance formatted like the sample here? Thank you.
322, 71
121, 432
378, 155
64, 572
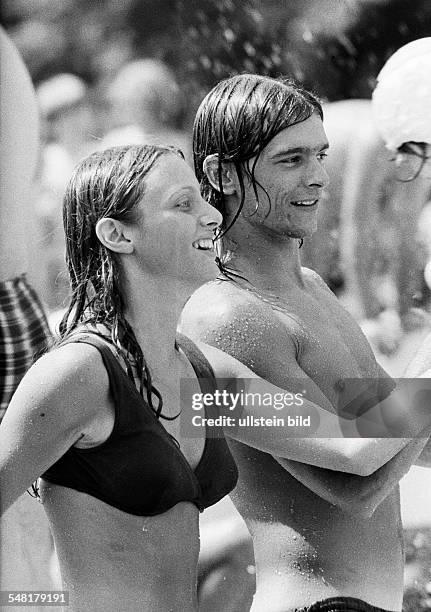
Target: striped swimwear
24, 334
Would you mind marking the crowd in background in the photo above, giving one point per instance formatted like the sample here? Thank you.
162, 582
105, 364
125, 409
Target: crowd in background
140, 105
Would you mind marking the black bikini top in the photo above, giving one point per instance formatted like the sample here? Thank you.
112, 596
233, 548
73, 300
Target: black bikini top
140, 469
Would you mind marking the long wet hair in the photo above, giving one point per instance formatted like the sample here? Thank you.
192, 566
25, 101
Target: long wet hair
236, 120
108, 183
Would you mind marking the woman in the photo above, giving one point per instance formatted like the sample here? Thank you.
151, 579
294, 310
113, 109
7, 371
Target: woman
99, 416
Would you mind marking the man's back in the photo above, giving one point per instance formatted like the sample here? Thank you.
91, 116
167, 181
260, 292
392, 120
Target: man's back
306, 549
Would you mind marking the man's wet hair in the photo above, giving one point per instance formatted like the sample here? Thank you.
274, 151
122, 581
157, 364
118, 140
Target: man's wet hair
236, 121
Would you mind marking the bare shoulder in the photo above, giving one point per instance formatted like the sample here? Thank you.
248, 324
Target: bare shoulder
56, 404
222, 304
235, 321
316, 281
67, 383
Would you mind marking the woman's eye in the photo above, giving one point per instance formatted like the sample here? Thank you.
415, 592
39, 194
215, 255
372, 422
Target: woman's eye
184, 204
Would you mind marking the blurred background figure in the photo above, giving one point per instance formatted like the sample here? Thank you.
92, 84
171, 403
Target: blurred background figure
68, 122
401, 109
366, 247
26, 547
146, 104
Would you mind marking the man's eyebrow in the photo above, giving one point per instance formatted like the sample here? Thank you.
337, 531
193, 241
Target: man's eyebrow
293, 150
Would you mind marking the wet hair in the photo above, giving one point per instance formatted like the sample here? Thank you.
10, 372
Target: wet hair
236, 120
108, 183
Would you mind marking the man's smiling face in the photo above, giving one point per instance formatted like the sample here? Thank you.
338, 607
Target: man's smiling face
290, 177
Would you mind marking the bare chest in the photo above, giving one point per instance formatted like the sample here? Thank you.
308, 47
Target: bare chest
330, 345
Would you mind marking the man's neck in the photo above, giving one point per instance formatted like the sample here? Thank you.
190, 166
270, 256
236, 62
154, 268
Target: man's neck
268, 263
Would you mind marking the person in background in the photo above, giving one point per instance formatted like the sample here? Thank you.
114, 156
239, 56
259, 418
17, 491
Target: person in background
146, 105
25, 541
401, 110
68, 134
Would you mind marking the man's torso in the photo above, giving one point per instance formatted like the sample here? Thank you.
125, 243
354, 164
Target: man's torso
306, 549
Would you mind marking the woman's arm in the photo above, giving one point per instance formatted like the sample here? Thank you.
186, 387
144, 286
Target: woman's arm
54, 406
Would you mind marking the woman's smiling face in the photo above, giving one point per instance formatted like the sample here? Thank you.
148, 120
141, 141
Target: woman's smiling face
173, 234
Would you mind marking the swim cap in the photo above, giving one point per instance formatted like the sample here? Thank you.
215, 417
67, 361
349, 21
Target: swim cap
402, 99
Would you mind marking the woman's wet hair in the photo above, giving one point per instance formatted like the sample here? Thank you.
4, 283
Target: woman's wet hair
108, 183
236, 121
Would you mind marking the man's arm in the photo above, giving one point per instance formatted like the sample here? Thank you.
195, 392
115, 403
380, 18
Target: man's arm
245, 332
325, 445
420, 367
357, 495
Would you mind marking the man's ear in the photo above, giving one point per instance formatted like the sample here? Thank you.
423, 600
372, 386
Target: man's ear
225, 171
111, 234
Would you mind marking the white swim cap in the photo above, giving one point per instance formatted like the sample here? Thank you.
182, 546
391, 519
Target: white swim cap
402, 99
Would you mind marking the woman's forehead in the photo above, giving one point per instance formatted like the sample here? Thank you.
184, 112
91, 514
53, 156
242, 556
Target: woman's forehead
168, 174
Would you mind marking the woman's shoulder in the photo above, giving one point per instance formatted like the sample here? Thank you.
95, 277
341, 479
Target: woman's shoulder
69, 360
67, 378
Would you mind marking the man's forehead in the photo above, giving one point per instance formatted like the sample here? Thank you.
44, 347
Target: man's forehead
308, 134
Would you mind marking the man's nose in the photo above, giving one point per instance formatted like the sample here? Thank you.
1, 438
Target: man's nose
317, 175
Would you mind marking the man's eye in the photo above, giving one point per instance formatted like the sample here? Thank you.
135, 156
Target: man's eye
292, 160
183, 204
322, 157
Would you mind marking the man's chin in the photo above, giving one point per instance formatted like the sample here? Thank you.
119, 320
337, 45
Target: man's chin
299, 234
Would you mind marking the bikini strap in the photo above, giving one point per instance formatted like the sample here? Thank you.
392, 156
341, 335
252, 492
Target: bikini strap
200, 363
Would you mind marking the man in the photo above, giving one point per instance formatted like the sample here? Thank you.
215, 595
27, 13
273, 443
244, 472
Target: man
259, 149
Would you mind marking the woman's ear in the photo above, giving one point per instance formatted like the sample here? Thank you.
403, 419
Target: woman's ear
224, 172
111, 234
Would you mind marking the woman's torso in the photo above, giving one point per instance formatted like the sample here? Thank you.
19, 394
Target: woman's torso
124, 513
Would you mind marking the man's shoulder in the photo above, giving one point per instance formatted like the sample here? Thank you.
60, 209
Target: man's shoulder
222, 302
313, 276
315, 280
238, 323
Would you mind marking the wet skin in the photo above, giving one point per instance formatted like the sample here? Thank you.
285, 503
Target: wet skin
146, 563
306, 549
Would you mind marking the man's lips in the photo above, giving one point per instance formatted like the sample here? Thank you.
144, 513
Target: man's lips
304, 203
